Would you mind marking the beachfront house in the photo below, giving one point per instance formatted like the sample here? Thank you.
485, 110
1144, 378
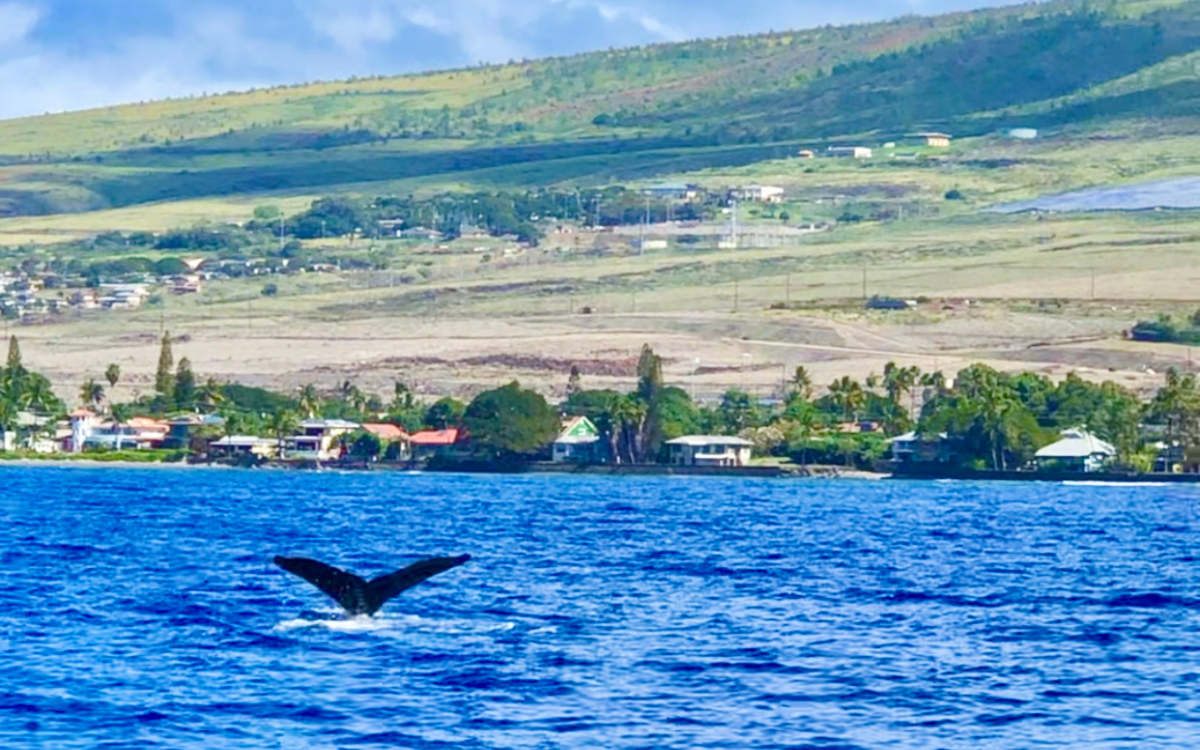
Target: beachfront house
181, 430
318, 440
232, 446
83, 423
393, 441
1079, 450
912, 448
578, 443
138, 433
709, 450
428, 444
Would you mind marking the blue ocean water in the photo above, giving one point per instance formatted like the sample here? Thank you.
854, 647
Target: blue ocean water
139, 609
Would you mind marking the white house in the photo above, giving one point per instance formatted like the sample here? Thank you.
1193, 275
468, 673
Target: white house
761, 193
318, 439
1079, 450
853, 152
911, 447
710, 450
245, 445
671, 191
579, 442
83, 424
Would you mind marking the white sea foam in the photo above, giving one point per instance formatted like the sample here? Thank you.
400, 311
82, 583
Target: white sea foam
410, 623
1100, 483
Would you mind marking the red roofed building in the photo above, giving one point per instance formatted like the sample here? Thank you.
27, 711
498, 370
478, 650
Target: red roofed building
386, 432
428, 443
393, 439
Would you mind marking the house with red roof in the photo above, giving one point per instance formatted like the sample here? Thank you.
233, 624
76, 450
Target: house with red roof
429, 443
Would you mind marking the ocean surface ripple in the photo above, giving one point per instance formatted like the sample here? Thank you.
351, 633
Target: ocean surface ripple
139, 609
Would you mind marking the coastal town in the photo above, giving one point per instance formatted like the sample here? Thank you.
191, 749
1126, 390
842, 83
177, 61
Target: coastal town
903, 422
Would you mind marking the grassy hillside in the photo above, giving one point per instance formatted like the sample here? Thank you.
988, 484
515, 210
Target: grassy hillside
625, 114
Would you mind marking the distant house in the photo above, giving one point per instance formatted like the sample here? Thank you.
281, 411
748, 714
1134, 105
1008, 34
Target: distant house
935, 140
190, 284
429, 443
83, 423
709, 450
318, 440
578, 443
671, 191
141, 433
760, 193
644, 244
390, 434
245, 445
1079, 450
912, 448
850, 152
181, 429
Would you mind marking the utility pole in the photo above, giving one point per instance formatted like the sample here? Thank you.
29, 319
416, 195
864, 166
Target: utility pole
645, 225
734, 227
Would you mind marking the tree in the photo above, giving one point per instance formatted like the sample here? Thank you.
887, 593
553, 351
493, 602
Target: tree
164, 380
310, 401
574, 382
184, 388
649, 391
626, 415
738, 411
284, 424
801, 385
847, 396
210, 396
445, 413
14, 365
112, 374
366, 445
91, 393
510, 421
1177, 406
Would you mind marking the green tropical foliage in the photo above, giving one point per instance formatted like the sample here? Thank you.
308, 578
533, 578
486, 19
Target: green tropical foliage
510, 421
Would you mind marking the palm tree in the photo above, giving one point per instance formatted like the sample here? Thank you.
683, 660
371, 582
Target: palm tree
91, 393
284, 424
310, 401
112, 374
626, 414
802, 384
210, 396
38, 395
847, 395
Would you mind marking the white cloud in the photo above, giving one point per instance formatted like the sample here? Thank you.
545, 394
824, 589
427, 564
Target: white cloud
17, 20
152, 49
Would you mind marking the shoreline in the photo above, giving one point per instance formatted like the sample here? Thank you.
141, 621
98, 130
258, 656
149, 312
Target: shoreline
646, 470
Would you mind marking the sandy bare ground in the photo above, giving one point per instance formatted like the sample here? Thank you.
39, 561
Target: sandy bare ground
705, 353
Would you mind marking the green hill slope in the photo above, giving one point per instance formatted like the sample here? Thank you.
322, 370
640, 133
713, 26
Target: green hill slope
626, 113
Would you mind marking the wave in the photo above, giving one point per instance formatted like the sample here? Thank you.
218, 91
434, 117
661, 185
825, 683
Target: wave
415, 623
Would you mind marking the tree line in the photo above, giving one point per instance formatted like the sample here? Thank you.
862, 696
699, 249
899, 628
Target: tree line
984, 418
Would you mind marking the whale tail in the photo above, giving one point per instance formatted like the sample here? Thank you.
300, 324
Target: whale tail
357, 595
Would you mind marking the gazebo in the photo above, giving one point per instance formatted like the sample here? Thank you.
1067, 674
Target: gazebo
1079, 450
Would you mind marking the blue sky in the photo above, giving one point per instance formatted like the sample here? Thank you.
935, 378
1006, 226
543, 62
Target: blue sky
71, 54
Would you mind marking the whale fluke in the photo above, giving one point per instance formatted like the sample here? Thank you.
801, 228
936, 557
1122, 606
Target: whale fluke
357, 595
